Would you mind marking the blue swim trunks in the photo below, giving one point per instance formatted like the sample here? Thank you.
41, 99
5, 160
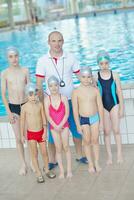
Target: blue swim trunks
89, 120
72, 126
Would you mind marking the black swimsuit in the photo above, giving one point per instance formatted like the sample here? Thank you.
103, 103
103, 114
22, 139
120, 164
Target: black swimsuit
15, 108
108, 92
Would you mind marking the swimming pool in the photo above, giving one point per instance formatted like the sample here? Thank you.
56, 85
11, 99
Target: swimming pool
84, 36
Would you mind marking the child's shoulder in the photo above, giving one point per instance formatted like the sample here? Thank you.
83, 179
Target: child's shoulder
94, 89
76, 90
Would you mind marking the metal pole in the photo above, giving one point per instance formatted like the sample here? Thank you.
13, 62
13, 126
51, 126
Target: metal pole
10, 14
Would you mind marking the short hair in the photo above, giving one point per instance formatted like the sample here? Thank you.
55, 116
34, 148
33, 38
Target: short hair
53, 32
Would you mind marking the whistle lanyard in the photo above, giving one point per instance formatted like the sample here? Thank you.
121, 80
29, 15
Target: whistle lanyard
55, 66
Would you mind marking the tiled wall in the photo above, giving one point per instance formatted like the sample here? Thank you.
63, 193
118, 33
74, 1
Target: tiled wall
127, 123
7, 139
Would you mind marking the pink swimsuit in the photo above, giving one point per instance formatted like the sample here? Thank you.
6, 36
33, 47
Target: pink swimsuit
58, 114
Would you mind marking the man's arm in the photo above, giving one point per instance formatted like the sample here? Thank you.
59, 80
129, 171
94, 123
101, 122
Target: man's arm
39, 83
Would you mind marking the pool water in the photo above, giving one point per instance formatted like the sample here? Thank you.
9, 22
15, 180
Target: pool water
84, 36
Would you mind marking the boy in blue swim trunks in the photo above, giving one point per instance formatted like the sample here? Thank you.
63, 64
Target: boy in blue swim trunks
88, 115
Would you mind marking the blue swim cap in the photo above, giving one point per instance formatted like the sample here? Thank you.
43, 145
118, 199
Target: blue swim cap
103, 55
12, 49
85, 71
53, 79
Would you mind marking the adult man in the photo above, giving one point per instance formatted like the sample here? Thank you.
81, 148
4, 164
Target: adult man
62, 65
13, 80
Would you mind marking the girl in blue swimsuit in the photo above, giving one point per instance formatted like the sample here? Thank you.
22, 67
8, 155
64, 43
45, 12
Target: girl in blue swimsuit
112, 98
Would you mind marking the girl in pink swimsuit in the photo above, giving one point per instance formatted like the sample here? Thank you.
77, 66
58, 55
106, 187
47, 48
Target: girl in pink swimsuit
57, 112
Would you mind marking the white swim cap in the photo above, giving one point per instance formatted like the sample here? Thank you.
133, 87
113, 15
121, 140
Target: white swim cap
85, 71
30, 87
53, 79
12, 50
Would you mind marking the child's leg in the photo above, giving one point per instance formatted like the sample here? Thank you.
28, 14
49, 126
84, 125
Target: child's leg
107, 136
44, 154
34, 156
65, 142
58, 146
86, 136
116, 129
20, 147
95, 144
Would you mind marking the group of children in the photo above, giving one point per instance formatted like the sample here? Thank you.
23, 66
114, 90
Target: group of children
97, 106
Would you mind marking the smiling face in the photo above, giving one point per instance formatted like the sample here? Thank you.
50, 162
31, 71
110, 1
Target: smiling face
13, 58
55, 41
85, 79
53, 87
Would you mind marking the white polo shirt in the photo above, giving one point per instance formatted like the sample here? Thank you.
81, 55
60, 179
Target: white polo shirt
67, 63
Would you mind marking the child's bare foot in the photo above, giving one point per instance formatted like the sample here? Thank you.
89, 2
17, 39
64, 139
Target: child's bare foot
91, 169
23, 170
120, 160
69, 175
61, 176
109, 160
97, 167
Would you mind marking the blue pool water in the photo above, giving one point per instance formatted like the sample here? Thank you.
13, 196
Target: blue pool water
85, 37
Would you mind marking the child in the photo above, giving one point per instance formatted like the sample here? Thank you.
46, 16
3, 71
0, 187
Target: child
13, 82
88, 115
112, 98
32, 114
57, 112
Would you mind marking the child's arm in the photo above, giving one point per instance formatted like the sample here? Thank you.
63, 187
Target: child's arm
22, 123
27, 75
100, 109
76, 110
4, 98
44, 121
120, 95
46, 105
64, 99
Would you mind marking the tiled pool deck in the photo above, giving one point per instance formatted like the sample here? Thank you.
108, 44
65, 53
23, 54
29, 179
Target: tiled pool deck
115, 182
